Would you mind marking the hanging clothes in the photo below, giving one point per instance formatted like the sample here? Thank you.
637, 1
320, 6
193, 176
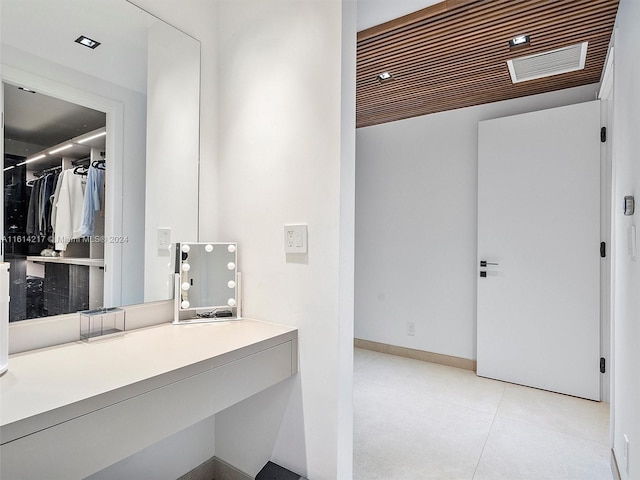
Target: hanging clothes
32, 212
93, 198
54, 202
68, 209
48, 184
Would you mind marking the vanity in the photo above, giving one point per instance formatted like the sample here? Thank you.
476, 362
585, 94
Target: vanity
72, 410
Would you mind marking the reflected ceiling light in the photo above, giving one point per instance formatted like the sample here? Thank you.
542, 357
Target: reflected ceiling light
92, 137
9, 168
87, 42
385, 77
519, 41
60, 149
33, 159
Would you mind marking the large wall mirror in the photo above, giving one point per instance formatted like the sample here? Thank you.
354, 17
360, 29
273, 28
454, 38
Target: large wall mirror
96, 94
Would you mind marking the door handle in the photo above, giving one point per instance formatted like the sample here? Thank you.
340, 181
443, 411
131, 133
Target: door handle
484, 263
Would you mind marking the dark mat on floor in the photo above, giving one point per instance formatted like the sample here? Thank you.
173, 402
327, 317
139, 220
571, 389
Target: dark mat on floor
271, 471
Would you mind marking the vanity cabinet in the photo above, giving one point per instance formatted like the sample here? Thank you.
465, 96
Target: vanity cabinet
70, 411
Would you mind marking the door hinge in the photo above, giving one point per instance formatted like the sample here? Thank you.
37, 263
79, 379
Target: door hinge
602, 365
603, 249
603, 134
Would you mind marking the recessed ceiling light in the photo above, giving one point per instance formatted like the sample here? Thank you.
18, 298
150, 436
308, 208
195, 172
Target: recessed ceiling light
385, 77
519, 41
60, 149
92, 137
87, 42
26, 90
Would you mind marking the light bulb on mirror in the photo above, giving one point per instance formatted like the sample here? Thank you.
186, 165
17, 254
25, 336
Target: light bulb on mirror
231, 284
208, 248
186, 248
231, 248
231, 266
231, 302
186, 286
185, 304
186, 267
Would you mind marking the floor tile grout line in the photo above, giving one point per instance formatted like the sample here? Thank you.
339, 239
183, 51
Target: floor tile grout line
475, 471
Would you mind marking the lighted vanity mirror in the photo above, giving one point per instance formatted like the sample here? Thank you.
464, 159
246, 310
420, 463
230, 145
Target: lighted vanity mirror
206, 282
142, 77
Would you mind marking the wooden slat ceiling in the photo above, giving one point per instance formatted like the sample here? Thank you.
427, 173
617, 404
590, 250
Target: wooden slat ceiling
453, 54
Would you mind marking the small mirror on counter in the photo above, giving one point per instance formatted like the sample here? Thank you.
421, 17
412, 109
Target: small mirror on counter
206, 282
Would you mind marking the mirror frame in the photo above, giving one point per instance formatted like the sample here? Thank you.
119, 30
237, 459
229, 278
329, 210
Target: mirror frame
205, 313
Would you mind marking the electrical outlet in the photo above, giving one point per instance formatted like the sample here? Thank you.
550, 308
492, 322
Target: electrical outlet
295, 239
411, 328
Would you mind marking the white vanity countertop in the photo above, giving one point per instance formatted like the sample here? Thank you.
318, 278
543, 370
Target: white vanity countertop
45, 387
89, 262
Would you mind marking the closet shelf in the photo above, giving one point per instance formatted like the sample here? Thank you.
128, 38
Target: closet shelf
89, 262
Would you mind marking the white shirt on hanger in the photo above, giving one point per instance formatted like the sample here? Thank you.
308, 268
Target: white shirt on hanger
68, 219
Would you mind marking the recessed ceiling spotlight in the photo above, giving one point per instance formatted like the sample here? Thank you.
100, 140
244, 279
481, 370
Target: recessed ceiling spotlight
87, 42
26, 90
519, 41
385, 77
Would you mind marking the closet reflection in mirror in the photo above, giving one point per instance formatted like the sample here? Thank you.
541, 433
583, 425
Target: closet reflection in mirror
53, 204
206, 280
145, 76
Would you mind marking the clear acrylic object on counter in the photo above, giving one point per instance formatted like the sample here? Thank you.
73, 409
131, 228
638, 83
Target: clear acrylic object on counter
98, 323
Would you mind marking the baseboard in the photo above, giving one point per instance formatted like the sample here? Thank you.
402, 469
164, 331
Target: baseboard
215, 469
614, 466
448, 360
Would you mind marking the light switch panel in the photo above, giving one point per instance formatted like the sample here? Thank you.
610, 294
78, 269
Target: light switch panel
295, 239
164, 238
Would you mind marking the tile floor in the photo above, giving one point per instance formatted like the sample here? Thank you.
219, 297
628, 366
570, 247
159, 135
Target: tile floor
419, 420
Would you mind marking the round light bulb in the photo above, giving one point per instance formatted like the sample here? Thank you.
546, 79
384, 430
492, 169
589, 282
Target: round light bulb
231, 302
186, 267
231, 248
231, 265
208, 248
231, 284
186, 286
186, 248
185, 304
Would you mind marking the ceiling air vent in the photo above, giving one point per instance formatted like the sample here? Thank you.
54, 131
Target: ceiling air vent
553, 62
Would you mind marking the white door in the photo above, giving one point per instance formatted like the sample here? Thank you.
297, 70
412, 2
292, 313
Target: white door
539, 232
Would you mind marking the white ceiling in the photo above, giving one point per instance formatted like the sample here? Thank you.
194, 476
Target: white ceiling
375, 12
35, 121
48, 29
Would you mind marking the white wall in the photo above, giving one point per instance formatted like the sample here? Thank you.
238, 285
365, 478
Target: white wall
416, 224
168, 459
281, 136
173, 101
198, 19
626, 165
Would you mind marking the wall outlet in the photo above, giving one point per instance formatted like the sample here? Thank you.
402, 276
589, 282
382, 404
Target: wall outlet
295, 239
411, 328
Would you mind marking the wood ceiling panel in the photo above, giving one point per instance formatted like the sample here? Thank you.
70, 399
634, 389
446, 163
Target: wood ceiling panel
453, 54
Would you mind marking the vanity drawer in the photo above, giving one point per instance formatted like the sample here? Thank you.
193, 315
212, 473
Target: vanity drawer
86, 444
